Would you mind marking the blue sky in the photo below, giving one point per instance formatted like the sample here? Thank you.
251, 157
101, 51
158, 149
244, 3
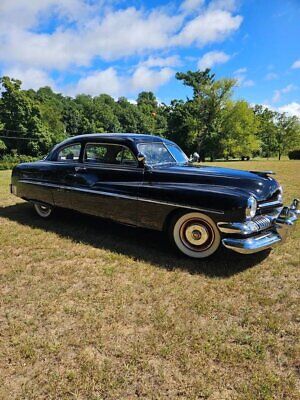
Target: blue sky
124, 47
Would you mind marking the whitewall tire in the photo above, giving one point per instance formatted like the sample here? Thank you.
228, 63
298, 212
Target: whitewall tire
44, 211
195, 235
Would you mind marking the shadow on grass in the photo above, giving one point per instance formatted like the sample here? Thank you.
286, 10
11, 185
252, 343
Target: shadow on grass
140, 244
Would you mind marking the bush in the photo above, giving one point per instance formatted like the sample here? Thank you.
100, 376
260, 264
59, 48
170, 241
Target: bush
9, 161
294, 154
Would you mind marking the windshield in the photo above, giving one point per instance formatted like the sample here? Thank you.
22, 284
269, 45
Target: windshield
161, 153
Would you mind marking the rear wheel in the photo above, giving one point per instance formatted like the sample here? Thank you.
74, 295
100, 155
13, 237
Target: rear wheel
195, 235
42, 210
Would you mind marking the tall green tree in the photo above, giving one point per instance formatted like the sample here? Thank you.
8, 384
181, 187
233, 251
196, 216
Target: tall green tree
181, 125
288, 134
21, 117
209, 99
239, 130
267, 129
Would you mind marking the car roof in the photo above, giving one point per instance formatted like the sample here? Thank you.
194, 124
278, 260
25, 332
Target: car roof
116, 138
122, 138
136, 137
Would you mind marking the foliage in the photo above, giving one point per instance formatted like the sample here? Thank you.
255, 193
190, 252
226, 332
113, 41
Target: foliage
210, 122
8, 161
294, 154
239, 131
206, 108
266, 129
287, 134
3, 147
21, 115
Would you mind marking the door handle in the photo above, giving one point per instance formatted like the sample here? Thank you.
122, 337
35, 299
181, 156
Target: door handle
78, 169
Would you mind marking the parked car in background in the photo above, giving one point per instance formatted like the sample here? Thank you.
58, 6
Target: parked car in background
147, 181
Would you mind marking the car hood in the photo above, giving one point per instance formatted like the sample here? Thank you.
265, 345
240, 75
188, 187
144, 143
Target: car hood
258, 184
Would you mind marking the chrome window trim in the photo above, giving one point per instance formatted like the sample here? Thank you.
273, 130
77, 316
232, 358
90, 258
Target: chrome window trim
111, 194
108, 164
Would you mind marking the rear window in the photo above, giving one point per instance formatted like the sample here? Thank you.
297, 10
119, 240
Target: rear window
69, 153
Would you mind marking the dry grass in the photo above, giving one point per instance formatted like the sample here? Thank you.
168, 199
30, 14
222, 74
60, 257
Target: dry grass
94, 310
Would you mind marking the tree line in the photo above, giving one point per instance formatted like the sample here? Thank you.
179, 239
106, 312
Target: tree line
210, 122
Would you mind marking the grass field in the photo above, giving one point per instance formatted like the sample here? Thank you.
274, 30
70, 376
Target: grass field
93, 310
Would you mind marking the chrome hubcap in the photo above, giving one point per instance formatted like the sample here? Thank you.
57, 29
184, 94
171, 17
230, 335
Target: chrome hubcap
43, 210
196, 234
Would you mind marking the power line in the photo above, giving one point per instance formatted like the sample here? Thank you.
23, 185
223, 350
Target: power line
12, 130
21, 138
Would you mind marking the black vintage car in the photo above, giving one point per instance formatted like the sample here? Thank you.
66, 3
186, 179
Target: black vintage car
147, 181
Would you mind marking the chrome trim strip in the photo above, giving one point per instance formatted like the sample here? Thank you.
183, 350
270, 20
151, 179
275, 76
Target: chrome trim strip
270, 204
110, 194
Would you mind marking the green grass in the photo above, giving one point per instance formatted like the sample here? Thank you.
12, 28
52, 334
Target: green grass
93, 310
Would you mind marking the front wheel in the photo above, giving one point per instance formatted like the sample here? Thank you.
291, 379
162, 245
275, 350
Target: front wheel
42, 210
195, 235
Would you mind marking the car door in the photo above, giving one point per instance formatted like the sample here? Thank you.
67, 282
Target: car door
63, 169
108, 182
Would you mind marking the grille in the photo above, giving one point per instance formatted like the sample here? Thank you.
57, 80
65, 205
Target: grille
263, 222
274, 201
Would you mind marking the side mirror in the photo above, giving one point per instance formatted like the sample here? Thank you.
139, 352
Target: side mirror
141, 159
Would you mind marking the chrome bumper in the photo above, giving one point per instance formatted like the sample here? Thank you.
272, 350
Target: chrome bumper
262, 232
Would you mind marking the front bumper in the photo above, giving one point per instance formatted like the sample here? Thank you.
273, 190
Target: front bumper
262, 232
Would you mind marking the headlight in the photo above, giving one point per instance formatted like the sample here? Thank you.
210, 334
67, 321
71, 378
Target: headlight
251, 208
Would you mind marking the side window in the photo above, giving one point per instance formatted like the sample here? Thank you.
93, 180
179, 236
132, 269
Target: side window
108, 154
126, 157
69, 153
95, 153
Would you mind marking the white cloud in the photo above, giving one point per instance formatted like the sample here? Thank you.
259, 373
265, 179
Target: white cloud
296, 64
271, 76
212, 58
240, 71
128, 32
241, 77
278, 93
38, 37
106, 81
31, 78
27, 14
172, 61
120, 34
229, 5
110, 82
110, 36
291, 109
211, 26
191, 5
148, 79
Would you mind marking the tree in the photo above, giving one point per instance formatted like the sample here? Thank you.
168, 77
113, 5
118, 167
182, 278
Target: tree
288, 134
181, 125
105, 114
147, 99
239, 127
209, 99
21, 117
267, 129
75, 121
